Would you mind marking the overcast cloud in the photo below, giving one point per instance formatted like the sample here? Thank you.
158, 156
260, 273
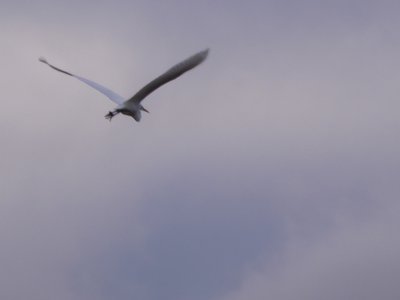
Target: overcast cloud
269, 172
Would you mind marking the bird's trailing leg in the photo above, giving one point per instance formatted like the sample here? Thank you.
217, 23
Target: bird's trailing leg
110, 115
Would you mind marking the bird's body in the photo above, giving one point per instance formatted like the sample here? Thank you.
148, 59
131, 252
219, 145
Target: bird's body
129, 108
133, 107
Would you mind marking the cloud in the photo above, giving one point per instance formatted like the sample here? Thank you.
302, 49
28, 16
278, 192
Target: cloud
357, 259
271, 167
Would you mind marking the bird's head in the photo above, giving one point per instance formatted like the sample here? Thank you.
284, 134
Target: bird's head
142, 108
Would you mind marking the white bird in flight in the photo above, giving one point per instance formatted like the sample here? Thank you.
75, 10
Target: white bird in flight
133, 107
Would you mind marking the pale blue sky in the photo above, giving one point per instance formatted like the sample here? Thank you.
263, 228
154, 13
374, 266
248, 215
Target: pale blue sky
268, 172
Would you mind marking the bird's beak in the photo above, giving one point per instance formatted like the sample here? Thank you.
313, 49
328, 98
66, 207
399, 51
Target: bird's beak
145, 110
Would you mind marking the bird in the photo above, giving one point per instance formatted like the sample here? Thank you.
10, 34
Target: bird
132, 106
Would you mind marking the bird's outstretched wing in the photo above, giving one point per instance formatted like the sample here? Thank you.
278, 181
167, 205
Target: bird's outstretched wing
169, 75
110, 94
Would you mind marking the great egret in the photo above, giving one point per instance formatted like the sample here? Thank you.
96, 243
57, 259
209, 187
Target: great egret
133, 107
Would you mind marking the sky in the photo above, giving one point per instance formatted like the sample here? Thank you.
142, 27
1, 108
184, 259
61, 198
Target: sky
271, 171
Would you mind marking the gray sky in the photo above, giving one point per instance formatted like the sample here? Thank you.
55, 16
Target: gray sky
269, 172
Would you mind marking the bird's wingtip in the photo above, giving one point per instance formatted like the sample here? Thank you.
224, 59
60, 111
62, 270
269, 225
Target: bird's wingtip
203, 54
206, 51
42, 59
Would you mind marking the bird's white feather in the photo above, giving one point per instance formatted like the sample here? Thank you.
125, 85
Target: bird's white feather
102, 89
171, 74
105, 91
